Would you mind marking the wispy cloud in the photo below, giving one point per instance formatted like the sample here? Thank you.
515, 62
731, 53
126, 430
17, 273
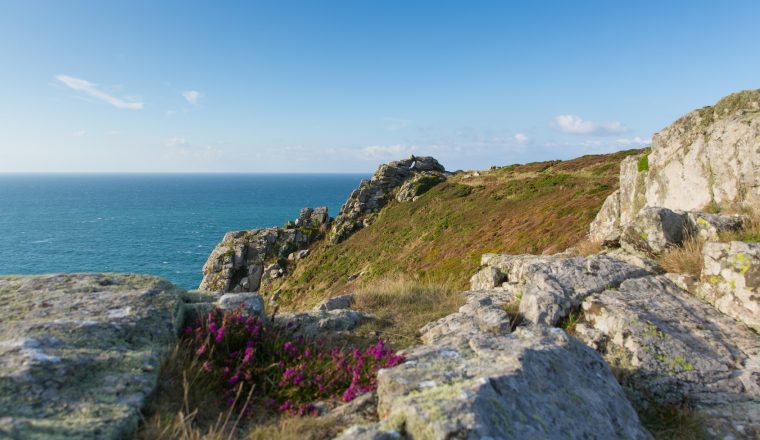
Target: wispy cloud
573, 124
180, 147
395, 124
90, 89
396, 151
192, 96
79, 133
637, 141
175, 142
521, 138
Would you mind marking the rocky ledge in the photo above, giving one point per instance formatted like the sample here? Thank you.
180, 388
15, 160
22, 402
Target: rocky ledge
79, 354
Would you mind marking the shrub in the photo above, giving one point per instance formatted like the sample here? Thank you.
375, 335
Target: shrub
243, 356
643, 164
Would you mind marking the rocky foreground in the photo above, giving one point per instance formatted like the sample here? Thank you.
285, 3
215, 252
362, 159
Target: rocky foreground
545, 346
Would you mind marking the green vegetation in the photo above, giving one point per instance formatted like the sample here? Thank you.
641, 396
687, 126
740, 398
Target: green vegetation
643, 163
440, 237
672, 422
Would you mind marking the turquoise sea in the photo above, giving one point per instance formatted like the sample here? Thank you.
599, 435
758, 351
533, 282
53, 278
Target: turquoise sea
160, 224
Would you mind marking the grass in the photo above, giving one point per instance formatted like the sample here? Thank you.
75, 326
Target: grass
686, 258
749, 233
672, 422
440, 237
513, 311
586, 247
403, 306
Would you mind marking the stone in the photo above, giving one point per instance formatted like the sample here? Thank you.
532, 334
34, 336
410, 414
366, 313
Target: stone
706, 158
487, 278
709, 226
336, 302
639, 261
549, 287
684, 281
80, 353
731, 280
605, 228
654, 230
251, 304
237, 263
534, 383
671, 347
414, 187
483, 311
362, 205
315, 323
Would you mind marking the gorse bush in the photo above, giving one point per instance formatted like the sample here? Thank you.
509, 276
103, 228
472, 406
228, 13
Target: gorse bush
245, 356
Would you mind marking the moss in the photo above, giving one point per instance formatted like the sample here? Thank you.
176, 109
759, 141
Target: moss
742, 262
643, 163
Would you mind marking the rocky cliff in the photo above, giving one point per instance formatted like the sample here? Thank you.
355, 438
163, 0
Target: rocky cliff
706, 160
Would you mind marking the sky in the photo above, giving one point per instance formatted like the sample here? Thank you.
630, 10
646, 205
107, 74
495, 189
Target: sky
342, 86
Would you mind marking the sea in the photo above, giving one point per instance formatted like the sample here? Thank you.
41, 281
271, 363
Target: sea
159, 224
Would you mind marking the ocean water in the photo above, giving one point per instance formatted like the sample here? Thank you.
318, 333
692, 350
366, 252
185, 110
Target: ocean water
160, 224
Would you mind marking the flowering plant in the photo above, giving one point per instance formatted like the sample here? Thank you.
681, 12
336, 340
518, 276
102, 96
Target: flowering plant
246, 356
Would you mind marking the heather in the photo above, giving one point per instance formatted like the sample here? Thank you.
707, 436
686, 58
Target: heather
246, 356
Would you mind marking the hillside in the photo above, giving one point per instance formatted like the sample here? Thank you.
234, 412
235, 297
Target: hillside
440, 237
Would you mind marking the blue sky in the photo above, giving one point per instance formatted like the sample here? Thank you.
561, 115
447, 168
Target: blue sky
341, 86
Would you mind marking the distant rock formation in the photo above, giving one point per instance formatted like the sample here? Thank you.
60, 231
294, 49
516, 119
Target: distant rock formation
245, 259
707, 159
411, 177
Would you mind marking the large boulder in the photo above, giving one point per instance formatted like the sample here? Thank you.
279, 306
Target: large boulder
238, 263
535, 383
654, 230
672, 348
731, 280
371, 195
551, 286
79, 354
707, 158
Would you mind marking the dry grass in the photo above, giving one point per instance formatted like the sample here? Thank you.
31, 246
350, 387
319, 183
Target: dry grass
404, 305
749, 233
299, 428
186, 405
587, 247
673, 422
687, 258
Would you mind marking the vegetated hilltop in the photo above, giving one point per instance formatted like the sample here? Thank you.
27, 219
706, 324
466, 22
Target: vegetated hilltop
441, 235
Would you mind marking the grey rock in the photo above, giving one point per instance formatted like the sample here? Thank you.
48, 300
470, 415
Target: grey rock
684, 281
654, 230
237, 263
365, 201
79, 353
483, 311
251, 304
336, 302
674, 348
419, 184
605, 228
315, 323
708, 226
731, 280
551, 286
707, 157
495, 386
487, 278
639, 261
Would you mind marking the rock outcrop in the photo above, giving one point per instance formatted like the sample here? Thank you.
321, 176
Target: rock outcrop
731, 280
245, 259
80, 353
477, 381
706, 159
406, 179
672, 348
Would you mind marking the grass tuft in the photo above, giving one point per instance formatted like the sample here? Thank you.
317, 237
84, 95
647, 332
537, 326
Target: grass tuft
749, 233
686, 258
673, 422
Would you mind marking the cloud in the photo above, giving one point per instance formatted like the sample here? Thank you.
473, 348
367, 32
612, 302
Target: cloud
573, 124
633, 141
175, 142
395, 124
192, 96
521, 138
79, 133
90, 89
386, 151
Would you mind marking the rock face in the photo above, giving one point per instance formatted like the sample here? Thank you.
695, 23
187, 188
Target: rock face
654, 230
707, 158
535, 383
551, 286
237, 264
418, 173
79, 354
731, 280
673, 348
